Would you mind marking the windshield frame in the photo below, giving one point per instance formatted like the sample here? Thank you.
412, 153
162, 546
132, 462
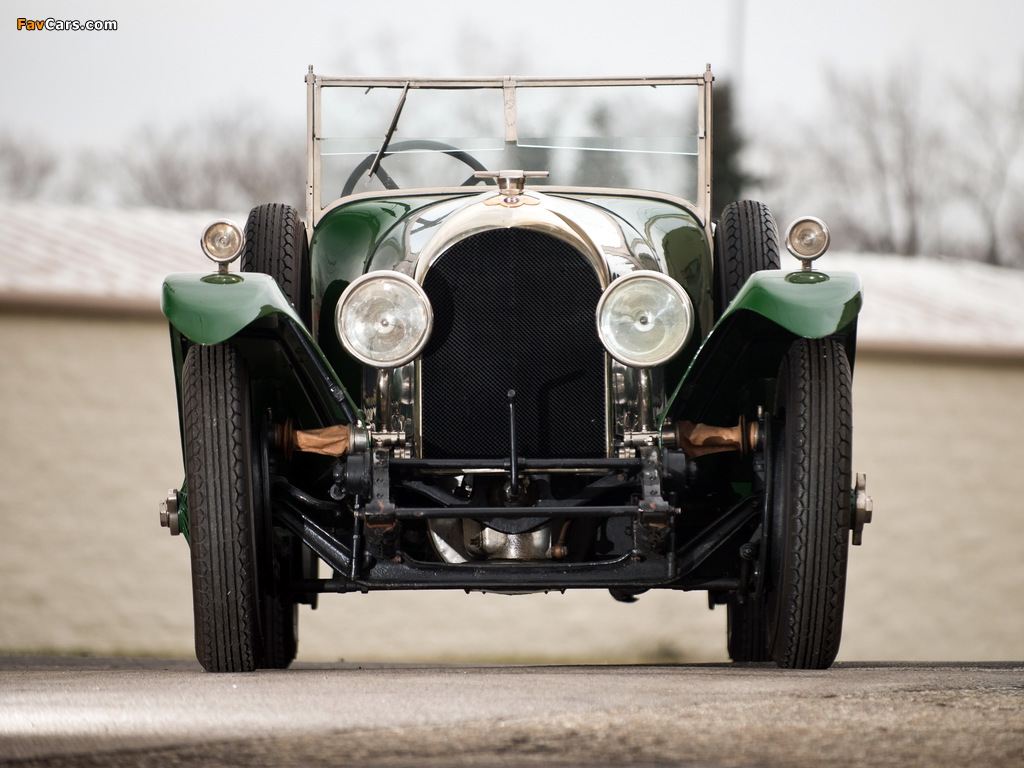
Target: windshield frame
509, 86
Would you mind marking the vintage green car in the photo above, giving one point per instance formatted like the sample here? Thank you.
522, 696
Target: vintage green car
507, 349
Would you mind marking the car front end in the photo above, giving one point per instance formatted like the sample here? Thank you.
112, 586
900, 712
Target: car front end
496, 354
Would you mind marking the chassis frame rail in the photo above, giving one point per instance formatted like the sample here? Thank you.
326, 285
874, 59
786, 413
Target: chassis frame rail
357, 571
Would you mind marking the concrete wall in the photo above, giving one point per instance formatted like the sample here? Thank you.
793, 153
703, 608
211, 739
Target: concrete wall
89, 444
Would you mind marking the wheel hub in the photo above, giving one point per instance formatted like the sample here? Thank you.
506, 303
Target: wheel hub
862, 508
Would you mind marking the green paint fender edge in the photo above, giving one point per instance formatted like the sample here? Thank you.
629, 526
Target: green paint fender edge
771, 310
211, 308
809, 304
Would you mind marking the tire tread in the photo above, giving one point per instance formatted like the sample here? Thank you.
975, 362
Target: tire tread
747, 241
275, 244
225, 602
814, 589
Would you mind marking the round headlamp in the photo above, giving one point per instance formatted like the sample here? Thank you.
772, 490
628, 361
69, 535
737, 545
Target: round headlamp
807, 238
222, 242
384, 319
644, 318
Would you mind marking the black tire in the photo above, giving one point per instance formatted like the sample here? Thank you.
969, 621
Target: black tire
278, 561
275, 243
811, 505
280, 636
746, 241
747, 629
240, 623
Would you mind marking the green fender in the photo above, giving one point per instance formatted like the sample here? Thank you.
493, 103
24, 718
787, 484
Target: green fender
748, 342
214, 308
211, 308
809, 304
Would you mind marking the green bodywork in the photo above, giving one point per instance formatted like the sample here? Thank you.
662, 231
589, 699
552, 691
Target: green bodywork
678, 240
341, 250
710, 380
808, 304
353, 237
746, 345
249, 310
209, 309
347, 237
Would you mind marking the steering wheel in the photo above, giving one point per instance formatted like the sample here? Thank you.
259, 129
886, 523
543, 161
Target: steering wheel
398, 146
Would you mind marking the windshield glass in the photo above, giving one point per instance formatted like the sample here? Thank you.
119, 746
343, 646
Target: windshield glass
420, 135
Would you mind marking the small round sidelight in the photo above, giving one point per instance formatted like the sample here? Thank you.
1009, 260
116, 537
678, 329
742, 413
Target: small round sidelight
644, 318
384, 319
223, 242
807, 238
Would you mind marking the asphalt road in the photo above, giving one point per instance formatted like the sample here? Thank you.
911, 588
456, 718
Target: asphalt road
87, 711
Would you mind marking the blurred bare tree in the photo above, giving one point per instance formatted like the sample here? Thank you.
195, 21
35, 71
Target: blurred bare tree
26, 168
894, 164
226, 165
884, 158
897, 166
220, 164
731, 177
988, 164
599, 167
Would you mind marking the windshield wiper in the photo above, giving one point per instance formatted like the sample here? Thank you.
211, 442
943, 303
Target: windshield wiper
391, 132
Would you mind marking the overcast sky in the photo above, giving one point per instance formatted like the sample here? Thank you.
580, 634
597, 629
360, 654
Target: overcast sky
167, 62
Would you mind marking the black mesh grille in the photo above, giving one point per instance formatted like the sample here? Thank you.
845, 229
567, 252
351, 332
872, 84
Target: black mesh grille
513, 309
